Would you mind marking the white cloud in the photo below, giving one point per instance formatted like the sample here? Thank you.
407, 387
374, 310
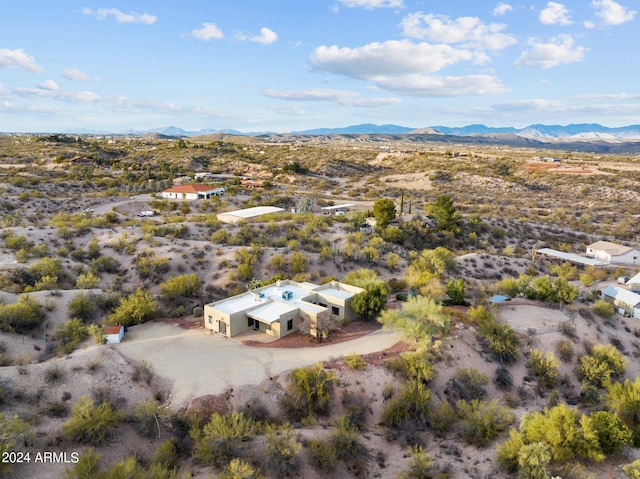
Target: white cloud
441, 86
555, 14
209, 31
559, 50
371, 4
18, 59
502, 9
612, 13
343, 97
75, 74
467, 31
266, 37
120, 17
389, 58
48, 85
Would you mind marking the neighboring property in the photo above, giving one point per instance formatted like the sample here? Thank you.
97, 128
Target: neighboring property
113, 334
278, 309
191, 192
248, 213
572, 257
626, 302
633, 283
613, 253
252, 184
337, 210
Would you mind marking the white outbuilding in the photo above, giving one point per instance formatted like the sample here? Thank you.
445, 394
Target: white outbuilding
608, 252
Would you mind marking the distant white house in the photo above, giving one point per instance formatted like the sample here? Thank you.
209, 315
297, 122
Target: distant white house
608, 252
113, 334
337, 210
190, 192
625, 301
278, 309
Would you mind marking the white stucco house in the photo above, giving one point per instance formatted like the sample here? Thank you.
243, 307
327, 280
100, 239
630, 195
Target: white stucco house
613, 253
194, 191
278, 309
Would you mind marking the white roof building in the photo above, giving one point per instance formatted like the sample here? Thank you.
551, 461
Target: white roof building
248, 213
608, 252
623, 299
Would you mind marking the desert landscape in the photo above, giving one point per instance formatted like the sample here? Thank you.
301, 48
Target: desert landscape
433, 380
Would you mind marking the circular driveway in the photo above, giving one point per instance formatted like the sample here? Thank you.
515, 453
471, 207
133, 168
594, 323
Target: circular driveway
199, 363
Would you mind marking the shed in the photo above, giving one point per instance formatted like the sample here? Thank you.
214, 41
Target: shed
625, 300
114, 334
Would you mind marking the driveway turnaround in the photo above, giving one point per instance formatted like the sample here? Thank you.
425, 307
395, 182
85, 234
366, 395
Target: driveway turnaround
199, 363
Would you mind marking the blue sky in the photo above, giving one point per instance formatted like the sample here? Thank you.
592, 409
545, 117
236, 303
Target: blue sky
283, 65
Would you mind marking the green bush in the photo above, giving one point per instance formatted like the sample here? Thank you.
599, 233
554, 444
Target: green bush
322, 455
146, 418
544, 366
613, 433
409, 410
134, 309
91, 423
483, 421
604, 362
22, 316
70, 334
355, 362
221, 439
239, 469
413, 366
309, 392
420, 465
184, 285
12, 432
604, 309
467, 384
282, 448
346, 441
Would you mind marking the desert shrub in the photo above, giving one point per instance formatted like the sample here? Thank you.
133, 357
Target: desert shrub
70, 334
346, 441
282, 448
51, 267
239, 469
149, 264
56, 409
501, 341
624, 399
87, 280
467, 384
322, 455
604, 309
420, 465
413, 366
503, 378
533, 460
309, 392
142, 372
355, 361
409, 410
12, 431
104, 264
604, 362
613, 434
483, 421
564, 348
419, 318
87, 466
167, 454
632, 470
184, 285
83, 306
544, 366
146, 417
221, 439
442, 418
91, 423
23, 316
134, 309
568, 434
53, 374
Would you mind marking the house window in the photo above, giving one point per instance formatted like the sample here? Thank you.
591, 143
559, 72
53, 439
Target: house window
250, 322
335, 310
323, 305
290, 325
222, 327
210, 319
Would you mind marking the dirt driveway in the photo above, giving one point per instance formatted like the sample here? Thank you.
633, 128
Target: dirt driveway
199, 363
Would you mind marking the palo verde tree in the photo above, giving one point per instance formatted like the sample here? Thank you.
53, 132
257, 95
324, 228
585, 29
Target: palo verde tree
420, 318
374, 297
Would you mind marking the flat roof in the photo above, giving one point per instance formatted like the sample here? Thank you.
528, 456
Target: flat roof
270, 312
237, 303
255, 211
570, 257
337, 293
337, 207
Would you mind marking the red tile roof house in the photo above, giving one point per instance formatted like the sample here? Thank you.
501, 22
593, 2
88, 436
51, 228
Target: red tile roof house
190, 192
113, 334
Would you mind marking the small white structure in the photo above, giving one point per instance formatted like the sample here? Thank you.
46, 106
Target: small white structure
194, 191
248, 213
337, 210
113, 334
625, 301
613, 253
634, 283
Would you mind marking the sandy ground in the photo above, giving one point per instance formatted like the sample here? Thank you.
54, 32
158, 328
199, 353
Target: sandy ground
199, 363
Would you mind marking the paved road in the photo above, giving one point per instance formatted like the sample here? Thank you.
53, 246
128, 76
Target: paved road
201, 363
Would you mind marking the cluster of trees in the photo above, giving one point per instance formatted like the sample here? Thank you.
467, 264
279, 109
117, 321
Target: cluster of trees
542, 288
